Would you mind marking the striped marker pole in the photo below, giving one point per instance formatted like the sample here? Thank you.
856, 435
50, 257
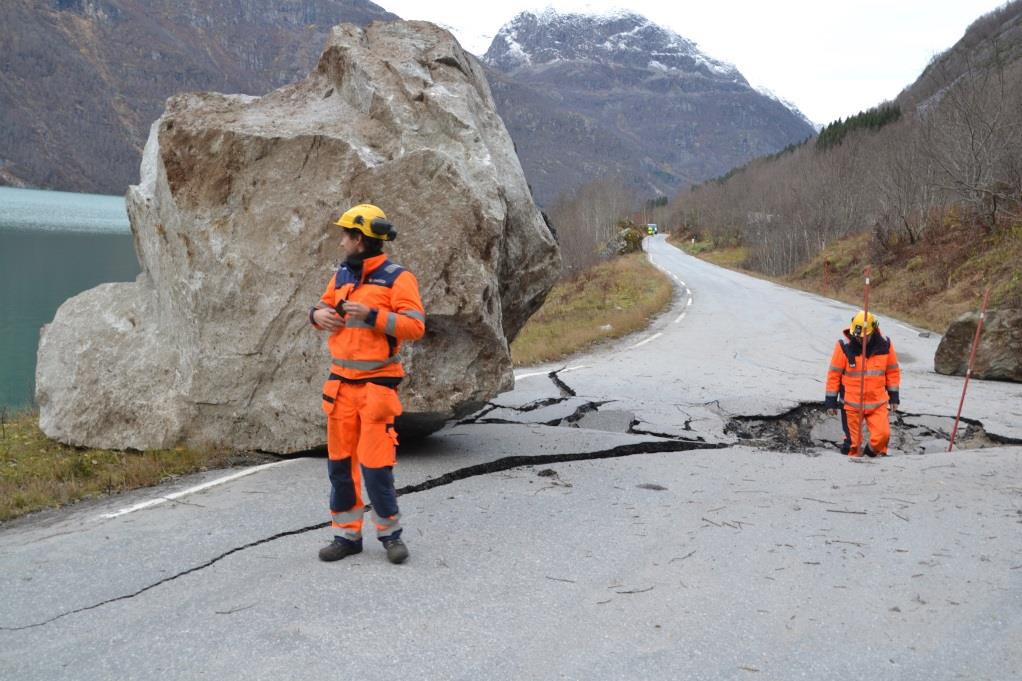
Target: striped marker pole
862, 364
968, 369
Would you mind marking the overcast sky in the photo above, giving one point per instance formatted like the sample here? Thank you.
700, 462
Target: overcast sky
830, 58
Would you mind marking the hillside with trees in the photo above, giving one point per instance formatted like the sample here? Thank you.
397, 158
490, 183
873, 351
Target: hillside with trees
929, 184
82, 80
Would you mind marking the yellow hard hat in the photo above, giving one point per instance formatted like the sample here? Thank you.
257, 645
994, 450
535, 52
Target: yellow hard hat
862, 321
369, 220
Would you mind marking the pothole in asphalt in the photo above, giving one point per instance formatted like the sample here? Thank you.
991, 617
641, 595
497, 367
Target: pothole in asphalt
809, 428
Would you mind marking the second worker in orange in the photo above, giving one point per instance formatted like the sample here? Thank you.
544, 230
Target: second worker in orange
866, 388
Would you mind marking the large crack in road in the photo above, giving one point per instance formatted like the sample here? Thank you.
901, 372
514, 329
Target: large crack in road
809, 428
499, 465
801, 429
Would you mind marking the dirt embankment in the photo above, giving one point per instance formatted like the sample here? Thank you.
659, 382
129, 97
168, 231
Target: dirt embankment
929, 282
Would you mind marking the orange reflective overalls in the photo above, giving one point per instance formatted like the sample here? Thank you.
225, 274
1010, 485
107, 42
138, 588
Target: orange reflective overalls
880, 379
360, 394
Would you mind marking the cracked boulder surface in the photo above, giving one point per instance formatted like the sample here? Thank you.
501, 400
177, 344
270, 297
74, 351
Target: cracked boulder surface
612, 491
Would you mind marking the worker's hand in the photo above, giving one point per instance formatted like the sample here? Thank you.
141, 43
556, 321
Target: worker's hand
894, 407
356, 310
832, 412
328, 319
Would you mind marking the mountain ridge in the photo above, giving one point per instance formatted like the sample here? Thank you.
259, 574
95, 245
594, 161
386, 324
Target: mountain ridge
609, 96
574, 89
82, 80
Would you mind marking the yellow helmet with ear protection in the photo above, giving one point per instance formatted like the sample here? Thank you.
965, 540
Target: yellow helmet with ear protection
369, 220
862, 322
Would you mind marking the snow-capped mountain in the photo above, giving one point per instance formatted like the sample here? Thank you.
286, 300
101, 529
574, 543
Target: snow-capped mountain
621, 37
790, 105
617, 95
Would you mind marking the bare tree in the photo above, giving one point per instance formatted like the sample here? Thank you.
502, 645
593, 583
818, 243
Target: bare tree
586, 221
961, 147
974, 137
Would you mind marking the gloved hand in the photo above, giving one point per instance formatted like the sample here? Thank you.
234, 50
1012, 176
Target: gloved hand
328, 319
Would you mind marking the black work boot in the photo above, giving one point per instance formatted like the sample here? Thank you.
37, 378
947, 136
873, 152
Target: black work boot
869, 452
397, 552
339, 548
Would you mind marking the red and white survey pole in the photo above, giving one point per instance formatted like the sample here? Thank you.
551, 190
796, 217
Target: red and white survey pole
862, 365
968, 369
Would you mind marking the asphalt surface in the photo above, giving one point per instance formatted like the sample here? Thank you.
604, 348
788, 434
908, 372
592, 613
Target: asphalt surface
601, 521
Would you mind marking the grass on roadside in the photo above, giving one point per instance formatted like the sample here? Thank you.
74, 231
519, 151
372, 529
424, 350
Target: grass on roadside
728, 256
929, 283
38, 473
608, 301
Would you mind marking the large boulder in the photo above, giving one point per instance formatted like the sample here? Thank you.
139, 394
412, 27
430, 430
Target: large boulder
999, 355
211, 346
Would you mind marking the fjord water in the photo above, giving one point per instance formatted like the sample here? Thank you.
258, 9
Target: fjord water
53, 245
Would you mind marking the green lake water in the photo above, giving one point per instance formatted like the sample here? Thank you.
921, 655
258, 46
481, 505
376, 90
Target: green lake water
53, 245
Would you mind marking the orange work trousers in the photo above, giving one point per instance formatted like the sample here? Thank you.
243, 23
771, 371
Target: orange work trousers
879, 424
362, 447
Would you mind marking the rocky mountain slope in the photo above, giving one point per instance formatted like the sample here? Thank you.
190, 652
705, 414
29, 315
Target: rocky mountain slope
617, 95
583, 97
82, 80
993, 41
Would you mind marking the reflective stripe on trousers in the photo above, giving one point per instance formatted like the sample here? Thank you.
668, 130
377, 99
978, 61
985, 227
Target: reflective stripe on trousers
348, 524
387, 528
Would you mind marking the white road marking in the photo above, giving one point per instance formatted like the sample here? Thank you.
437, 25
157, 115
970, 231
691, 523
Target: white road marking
682, 283
680, 317
193, 490
643, 342
519, 377
689, 303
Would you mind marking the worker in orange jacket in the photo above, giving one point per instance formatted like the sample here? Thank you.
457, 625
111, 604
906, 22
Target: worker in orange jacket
876, 384
369, 307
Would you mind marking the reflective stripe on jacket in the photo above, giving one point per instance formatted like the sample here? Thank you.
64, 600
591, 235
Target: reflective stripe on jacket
881, 376
365, 350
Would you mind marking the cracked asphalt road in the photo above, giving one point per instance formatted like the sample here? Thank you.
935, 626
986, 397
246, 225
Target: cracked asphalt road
635, 539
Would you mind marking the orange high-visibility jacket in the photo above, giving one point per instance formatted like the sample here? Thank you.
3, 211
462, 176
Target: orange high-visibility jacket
881, 374
367, 351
